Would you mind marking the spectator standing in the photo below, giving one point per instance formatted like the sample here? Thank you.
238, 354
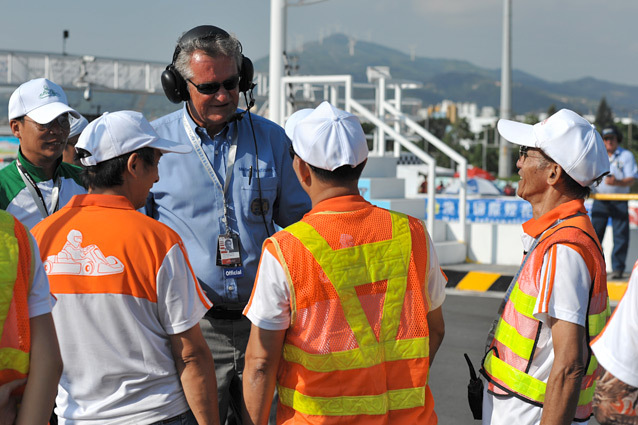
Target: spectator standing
623, 169
346, 311
538, 367
38, 183
616, 348
77, 125
29, 346
129, 304
237, 184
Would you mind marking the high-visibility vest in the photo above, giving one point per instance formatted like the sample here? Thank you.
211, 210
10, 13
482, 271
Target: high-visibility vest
511, 353
15, 269
357, 349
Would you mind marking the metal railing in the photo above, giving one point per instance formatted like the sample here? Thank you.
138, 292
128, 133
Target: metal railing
331, 87
81, 71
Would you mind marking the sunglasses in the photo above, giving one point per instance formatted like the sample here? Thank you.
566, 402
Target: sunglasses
62, 121
212, 88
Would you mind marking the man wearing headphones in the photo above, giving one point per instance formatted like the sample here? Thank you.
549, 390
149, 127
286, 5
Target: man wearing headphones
622, 170
225, 197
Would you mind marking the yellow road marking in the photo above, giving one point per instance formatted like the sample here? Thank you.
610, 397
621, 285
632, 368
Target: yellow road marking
477, 281
616, 290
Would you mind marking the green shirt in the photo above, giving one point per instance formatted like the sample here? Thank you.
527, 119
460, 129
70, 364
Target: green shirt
16, 199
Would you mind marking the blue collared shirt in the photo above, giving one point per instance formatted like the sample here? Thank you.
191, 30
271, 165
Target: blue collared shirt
622, 164
187, 199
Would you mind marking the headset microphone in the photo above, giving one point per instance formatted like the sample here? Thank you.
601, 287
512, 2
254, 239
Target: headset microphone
239, 115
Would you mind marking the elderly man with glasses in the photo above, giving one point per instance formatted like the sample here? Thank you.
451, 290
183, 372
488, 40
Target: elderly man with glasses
38, 183
538, 366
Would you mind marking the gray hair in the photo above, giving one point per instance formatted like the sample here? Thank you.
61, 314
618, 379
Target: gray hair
211, 46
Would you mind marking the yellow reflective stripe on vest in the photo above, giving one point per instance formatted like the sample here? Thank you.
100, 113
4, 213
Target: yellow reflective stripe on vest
9, 253
353, 405
597, 321
593, 365
527, 385
509, 336
350, 267
523, 303
359, 358
521, 382
12, 358
586, 395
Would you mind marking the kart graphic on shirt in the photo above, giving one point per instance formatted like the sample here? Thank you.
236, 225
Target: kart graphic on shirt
81, 261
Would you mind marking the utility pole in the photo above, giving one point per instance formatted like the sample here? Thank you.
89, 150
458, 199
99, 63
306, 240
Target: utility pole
276, 66
504, 161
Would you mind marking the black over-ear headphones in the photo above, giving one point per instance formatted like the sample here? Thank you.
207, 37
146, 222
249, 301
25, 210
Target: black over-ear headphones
174, 84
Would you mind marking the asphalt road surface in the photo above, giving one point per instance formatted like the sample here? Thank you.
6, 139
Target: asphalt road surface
467, 321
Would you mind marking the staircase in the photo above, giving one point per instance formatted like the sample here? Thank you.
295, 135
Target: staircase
379, 185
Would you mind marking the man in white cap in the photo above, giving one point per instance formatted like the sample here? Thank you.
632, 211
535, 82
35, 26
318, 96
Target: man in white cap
77, 125
539, 367
346, 309
37, 183
129, 305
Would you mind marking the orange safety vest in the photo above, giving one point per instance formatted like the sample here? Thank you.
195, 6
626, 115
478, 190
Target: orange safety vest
512, 350
357, 349
15, 268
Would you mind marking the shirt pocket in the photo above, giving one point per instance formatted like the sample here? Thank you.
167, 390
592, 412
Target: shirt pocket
250, 198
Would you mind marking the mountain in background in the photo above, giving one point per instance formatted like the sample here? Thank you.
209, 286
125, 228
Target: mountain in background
458, 80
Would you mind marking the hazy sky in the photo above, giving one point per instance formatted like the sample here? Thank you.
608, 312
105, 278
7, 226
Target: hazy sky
553, 39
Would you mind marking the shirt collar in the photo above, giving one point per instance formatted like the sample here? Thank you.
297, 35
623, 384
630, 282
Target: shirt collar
37, 173
535, 227
228, 130
106, 201
341, 204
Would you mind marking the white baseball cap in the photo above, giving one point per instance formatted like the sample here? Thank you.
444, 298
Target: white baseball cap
568, 139
115, 134
327, 137
41, 100
77, 125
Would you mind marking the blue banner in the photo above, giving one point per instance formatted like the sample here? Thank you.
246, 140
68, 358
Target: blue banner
492, 210
487, 210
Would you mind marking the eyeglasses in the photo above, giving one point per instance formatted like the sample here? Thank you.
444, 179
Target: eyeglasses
62, 121
212, 88
523, 153
292, 152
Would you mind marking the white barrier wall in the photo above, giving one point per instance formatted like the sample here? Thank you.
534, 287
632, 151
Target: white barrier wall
492, 243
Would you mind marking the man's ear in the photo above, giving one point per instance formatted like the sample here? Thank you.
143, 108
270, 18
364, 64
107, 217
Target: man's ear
133, 164
15, 128
555, 174
304, 170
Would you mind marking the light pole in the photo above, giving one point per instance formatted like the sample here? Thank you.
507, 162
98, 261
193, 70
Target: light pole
277, 48
504, 162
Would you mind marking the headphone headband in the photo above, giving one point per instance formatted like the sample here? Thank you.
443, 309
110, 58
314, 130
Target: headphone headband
201, 32
174, 84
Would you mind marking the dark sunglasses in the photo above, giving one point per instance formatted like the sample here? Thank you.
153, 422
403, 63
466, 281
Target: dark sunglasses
212, 88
